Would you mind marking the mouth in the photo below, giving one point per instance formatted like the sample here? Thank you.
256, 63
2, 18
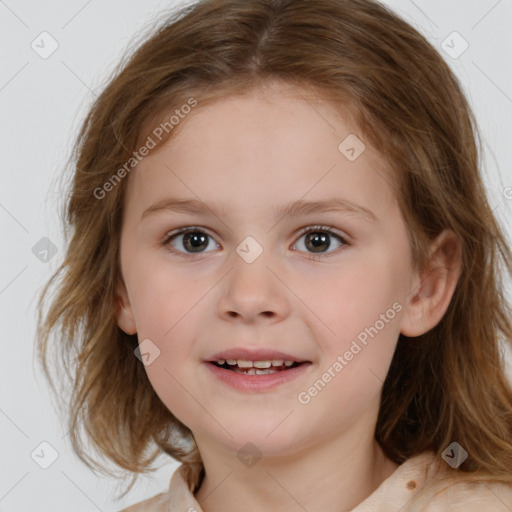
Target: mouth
263, 367
258, 375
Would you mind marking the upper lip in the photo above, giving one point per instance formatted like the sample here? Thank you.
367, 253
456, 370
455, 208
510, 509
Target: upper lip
254, 355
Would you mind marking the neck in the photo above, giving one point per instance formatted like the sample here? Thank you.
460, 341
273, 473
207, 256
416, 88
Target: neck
312, 479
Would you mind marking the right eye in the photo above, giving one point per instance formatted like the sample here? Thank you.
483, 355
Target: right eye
193, 240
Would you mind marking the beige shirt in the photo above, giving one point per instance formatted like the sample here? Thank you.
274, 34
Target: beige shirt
413, 487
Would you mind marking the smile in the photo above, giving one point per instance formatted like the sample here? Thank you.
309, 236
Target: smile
265, 367
256, 376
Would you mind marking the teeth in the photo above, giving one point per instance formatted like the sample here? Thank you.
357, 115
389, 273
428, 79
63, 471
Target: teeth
254, 371
264, 365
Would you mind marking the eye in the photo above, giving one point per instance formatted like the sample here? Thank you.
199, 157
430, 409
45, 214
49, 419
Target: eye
193, 240
318, 239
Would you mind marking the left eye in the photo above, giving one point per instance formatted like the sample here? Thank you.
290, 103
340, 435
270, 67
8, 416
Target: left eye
318, 238
195, 241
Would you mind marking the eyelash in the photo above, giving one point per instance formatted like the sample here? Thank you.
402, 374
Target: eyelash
310, 229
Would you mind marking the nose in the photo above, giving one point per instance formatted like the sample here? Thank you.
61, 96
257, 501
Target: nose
253, 291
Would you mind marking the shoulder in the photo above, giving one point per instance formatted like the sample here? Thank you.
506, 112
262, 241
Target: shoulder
423, 484
158, 503
471, 496
178, 497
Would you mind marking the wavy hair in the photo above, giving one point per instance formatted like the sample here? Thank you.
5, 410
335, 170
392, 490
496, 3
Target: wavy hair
446, 385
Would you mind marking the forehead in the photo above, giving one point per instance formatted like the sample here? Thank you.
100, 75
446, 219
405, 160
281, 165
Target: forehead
265, 146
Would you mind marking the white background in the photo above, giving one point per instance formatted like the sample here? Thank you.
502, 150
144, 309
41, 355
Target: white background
42, 102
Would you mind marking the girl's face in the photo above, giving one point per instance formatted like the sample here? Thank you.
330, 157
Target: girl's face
244, 277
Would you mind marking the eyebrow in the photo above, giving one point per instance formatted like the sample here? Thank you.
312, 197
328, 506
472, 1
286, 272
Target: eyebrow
295, 208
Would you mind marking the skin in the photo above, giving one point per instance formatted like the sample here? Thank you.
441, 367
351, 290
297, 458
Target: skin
249, 154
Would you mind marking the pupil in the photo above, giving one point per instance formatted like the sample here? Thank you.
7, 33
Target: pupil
318, 240
196, 239
315, 241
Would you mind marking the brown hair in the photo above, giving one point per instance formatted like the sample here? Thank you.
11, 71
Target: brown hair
448, 384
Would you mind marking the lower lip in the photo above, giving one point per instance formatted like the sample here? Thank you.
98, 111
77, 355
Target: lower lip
257, 383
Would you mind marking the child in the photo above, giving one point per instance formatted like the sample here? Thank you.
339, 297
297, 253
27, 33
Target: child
284, 271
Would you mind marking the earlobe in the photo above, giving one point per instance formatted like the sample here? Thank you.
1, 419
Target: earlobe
123, 310
429, 299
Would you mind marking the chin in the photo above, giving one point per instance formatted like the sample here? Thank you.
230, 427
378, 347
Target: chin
269, 440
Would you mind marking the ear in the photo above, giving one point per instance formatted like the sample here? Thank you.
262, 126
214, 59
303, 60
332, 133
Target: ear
433, 289
123, 310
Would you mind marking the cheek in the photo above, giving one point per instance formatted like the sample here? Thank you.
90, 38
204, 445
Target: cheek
357, 295
159, 298
362, 309
172, 389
